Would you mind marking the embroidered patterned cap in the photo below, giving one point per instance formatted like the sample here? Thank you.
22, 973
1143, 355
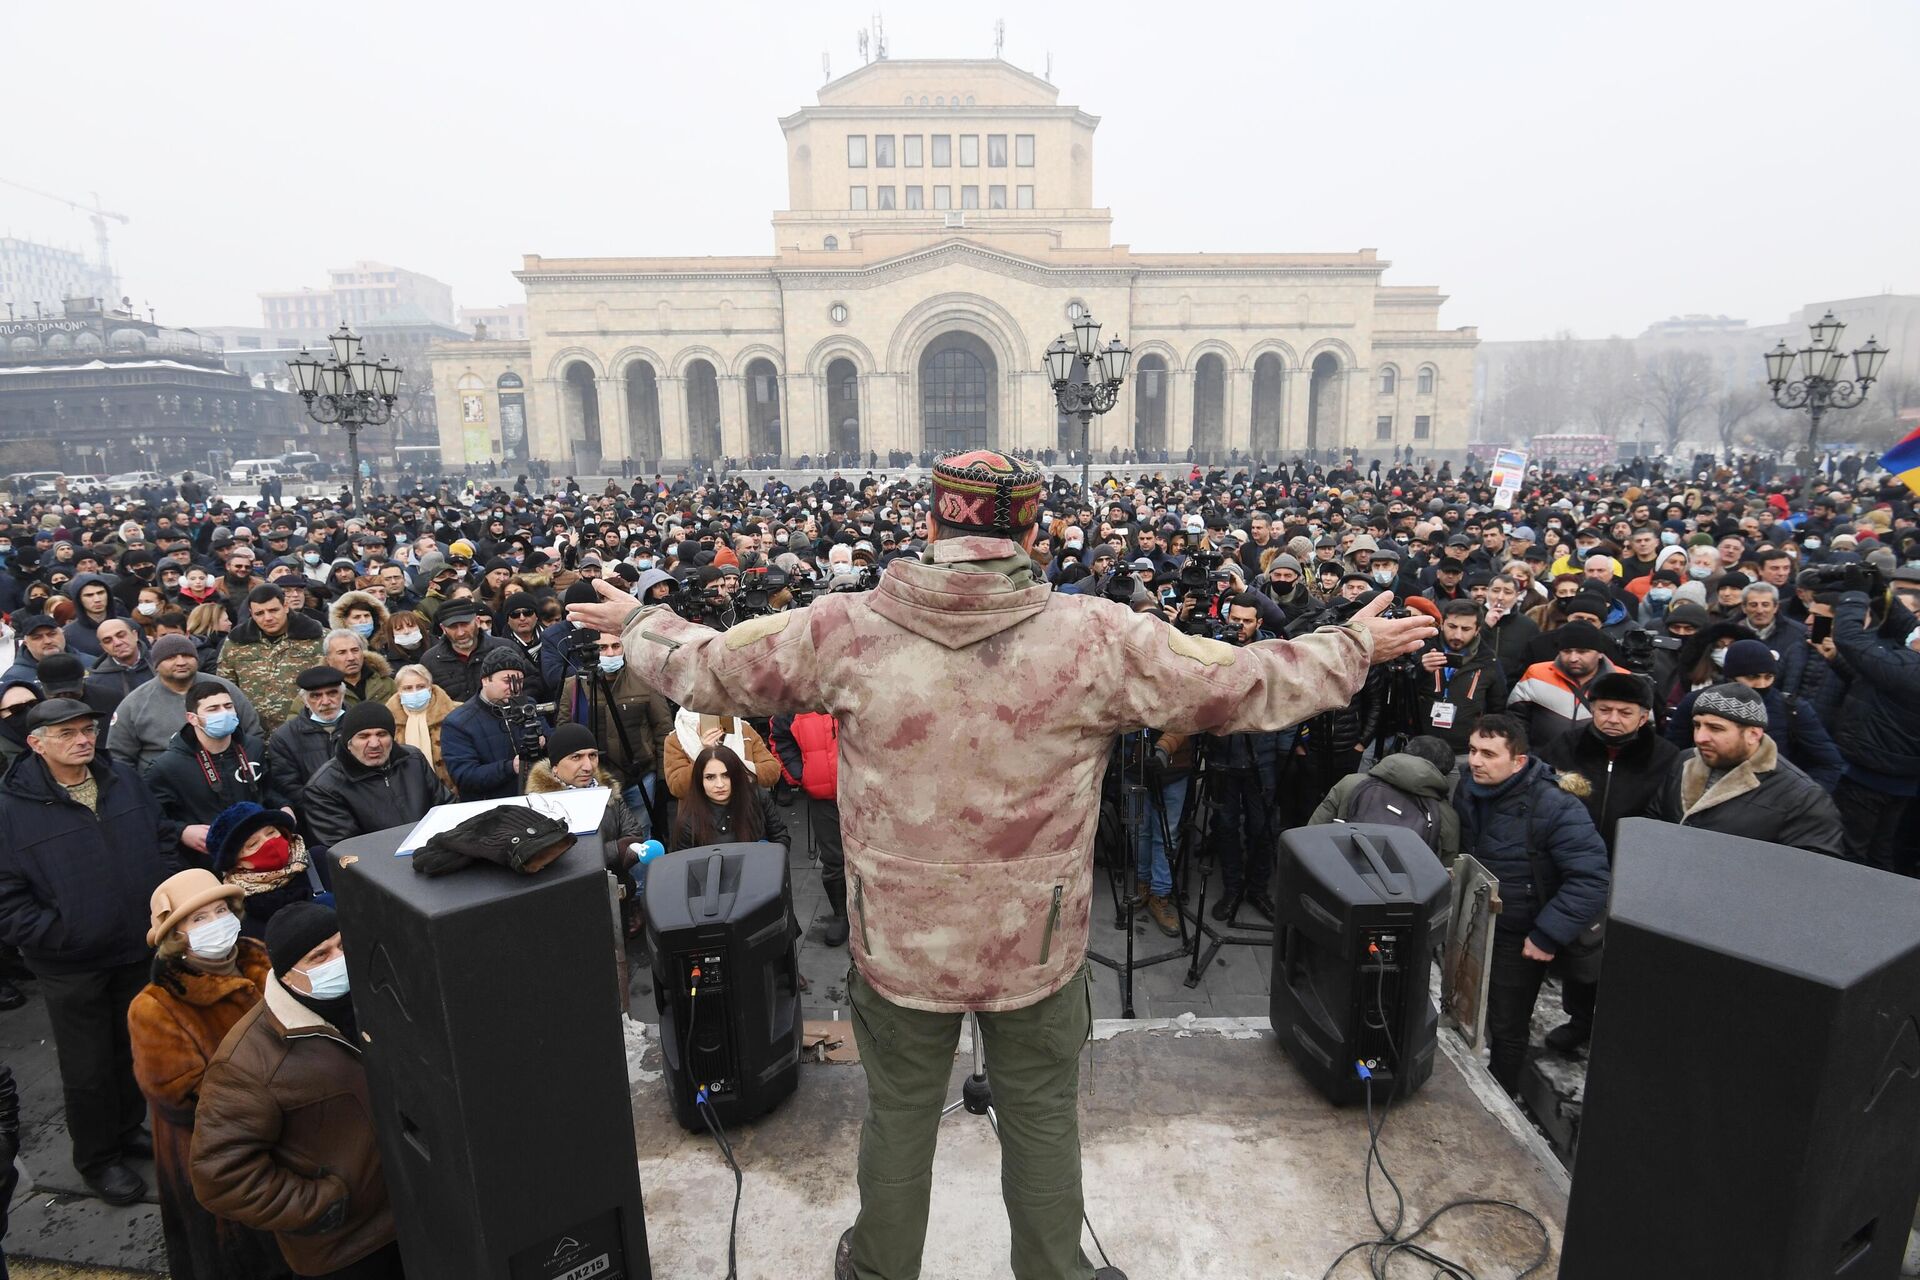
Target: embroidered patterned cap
984, 491
1732, 701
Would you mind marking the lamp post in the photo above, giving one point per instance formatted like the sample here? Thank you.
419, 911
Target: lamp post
349, 391
1822, 383
1072, 363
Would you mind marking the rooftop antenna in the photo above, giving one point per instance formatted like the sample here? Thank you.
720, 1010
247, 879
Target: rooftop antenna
1049, 73
879, 38
999, 36
863, 46
826, 65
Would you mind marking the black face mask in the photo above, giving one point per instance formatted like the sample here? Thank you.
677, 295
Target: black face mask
1612, 740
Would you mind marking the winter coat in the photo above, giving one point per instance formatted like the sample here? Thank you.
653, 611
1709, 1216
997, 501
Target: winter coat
294, 754
1498, 824
74, 884
618, 823
773, 826
176, 1025
1353, 725
677, 766
376, 681
646, 716
1478, 687
119, 681
283, 1138
973, 742
149, 718
1793, 726
1613, 783
1761, 798
266, 670
439, 707
347, 798
186, 799
83, 632
459, 676
1410, 776
1878, 730
808, 746
1549, 704
479, 751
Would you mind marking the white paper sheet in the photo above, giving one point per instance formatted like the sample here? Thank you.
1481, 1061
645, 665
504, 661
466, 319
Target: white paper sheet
581, 808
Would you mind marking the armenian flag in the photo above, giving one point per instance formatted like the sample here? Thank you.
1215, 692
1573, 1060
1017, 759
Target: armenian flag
1903, 461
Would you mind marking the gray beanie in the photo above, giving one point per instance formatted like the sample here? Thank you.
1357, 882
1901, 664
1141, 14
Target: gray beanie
1732, 701
170, 646
1283, 561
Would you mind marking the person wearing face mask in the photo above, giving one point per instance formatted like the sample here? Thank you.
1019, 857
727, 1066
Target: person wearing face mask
631, 749
299, 747
1616, 767
363, 614
419, 708
208, 766
406, 640
283, 1140
205, 977
262, 852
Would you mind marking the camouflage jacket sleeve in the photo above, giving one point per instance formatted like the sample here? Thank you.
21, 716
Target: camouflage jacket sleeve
762, 667
1192, 684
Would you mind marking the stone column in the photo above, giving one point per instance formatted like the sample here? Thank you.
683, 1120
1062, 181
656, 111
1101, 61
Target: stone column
674, 443
1179, 413
547, 423
800, 419
1295, 411
733, 415
1239, 410
616, 440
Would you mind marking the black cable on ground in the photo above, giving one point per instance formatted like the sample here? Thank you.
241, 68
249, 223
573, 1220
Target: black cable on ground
714, 1127
1390, 1244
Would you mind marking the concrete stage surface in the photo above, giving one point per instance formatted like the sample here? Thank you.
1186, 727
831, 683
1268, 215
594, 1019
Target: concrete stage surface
1205, 1153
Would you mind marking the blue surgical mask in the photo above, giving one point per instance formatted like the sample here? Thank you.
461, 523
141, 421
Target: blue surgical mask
1718, 657
220, 724
1699, 571
415, 699
337, 713
329, 980
611, 663
1659, 595
311, 557
363, 629
1668, 538
1811, 544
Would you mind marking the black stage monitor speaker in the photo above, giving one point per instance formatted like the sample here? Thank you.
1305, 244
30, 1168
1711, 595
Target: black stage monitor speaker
490, 1014
726, 969
1753, 1094
1361, 906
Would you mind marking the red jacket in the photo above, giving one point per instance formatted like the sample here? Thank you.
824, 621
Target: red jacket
818, 737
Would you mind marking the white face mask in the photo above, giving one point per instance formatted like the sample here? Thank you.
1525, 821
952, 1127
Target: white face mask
214, 940
329, 980
406, 639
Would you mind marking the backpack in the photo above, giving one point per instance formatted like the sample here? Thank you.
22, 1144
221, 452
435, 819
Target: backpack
1374, 800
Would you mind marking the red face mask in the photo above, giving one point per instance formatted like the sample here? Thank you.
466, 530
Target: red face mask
270, 856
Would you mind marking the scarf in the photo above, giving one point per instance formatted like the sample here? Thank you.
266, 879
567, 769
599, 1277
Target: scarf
253, 882
417, 733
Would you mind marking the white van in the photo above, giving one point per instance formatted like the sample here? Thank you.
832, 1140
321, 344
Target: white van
297, 464
253, 470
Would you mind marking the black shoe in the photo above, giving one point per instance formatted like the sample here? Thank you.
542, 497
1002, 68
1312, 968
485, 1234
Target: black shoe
843, 1256
115, 1183
11, 997
837, 930
1569, 1038
1261, 903
1224, 909
138, 1147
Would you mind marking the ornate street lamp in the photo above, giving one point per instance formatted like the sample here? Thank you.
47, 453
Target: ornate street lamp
349, 391
1822, 383
1086, 380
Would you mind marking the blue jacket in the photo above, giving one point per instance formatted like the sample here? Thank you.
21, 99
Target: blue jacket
478, 752
1876, 728
1496, 825
75, 887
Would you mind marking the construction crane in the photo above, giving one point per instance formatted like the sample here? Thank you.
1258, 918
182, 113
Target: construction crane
98, 215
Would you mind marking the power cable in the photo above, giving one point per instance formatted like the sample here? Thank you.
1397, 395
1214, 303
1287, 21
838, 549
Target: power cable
714, 1127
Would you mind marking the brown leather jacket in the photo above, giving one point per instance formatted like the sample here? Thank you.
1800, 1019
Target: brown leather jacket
283, 1140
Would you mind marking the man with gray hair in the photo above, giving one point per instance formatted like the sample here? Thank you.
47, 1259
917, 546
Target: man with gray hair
1760, 602
1735, 780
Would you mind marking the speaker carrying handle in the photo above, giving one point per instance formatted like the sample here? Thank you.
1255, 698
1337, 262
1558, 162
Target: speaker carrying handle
710, 896
1393, 883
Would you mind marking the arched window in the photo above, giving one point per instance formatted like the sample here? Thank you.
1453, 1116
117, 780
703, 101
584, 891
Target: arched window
643, 410
1269, 378
1150, 404
843, 407
703, 410
1389, 380
763, 408
830, 243
959, 394
1209, 405
581, 399
1424, 384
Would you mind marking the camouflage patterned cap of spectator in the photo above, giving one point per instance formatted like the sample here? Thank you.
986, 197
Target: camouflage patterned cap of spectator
983, 491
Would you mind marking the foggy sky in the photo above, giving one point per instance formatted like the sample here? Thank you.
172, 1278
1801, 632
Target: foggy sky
1589, 170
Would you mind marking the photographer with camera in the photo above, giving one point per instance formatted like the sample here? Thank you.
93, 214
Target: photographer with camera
627, 717
1460, 678
1875, 638
490, 740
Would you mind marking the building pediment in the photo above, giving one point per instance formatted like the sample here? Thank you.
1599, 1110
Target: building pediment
949, 252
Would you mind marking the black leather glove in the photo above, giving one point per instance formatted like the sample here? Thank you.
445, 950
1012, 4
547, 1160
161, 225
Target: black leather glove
519, 839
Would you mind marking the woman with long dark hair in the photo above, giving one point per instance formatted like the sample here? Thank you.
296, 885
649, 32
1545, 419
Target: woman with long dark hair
725, 806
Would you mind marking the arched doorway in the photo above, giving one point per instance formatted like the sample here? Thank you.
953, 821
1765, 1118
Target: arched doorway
583, 416
1209, 407
1269, 393
1150, 406
703, 410
959, 394
843, 407
763, 409
643, 412
1323, 404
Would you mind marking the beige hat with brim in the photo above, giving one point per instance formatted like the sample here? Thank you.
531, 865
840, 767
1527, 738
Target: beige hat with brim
182, 894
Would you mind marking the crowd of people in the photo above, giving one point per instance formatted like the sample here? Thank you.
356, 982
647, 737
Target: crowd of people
201, 698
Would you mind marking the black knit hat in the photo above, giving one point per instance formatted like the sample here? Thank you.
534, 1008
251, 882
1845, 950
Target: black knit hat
362, 716
1621, 686
295, 930
567, 739
503, 658
1579, 635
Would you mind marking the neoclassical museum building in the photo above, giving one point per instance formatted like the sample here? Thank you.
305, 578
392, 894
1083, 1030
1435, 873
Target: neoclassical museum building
940, 231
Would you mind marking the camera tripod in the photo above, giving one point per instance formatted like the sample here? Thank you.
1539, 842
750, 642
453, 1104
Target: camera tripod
1193, 837
1131, 752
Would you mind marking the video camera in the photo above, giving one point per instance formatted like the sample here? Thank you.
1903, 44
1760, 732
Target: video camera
522, 719
1637, 649
1859, 576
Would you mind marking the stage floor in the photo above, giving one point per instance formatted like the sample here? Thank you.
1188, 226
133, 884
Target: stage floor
1206, 1155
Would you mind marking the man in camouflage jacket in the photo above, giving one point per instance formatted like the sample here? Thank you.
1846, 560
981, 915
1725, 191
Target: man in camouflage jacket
265, 655
976, 709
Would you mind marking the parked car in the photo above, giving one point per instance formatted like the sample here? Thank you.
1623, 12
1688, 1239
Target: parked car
127, 481
253, 470
35, 484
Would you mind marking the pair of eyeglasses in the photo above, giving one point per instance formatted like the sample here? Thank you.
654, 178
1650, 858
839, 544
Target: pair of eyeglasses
520, 613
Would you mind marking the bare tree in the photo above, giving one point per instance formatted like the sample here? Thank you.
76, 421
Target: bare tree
1538, 388
1674, 386
1732, 407
1609, 391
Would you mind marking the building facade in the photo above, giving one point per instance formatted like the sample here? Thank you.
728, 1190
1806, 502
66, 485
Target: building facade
355, 295
940, 231
43, 276
509, 320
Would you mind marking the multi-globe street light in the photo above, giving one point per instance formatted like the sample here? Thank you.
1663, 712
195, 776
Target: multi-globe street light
1086, 380
349, 391
1822, 383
